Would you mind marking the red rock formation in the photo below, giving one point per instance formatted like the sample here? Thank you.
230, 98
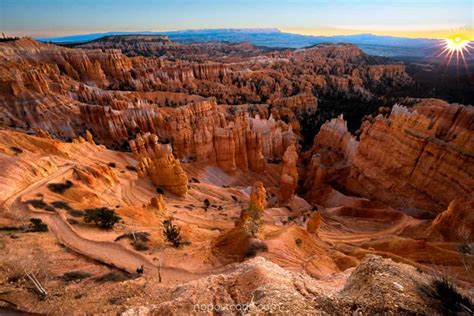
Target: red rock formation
332, 153
423, 157
158, 203
344, 52
42, 134
314, 223
289, 176
89, 138
304, 102
56, 80
258, 196
334, 134
415, 159
456, 223
256, 159
376, 72
157, 161
90, 175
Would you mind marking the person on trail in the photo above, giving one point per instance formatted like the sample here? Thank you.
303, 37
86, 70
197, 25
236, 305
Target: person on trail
140, 269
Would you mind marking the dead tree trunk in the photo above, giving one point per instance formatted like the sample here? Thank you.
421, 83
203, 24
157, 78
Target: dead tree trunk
39, 288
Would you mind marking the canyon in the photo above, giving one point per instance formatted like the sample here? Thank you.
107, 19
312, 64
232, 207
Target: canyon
291, 176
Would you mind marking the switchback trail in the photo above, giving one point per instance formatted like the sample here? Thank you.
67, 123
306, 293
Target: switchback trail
109, 253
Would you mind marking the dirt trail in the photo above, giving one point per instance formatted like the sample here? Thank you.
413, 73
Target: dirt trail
110, 253
347, 237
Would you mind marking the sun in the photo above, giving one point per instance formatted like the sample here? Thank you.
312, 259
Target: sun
456, 43
457, 46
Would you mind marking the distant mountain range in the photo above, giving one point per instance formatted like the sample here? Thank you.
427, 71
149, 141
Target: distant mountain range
372, 44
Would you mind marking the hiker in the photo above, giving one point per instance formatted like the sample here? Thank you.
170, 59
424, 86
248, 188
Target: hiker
140, 269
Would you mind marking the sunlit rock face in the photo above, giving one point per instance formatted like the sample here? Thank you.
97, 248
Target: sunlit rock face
334, 149
418, 158
158, 162
289, 176
424, 156
258, 196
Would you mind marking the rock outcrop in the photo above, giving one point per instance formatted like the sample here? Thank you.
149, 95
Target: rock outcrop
300, 103
314, 223
258, 286
200, 131
55, 81
456, 223
419, 158
90, 175
158, 162
333, 150
335, 135
158, 203
258, 196
89, 138
289, 176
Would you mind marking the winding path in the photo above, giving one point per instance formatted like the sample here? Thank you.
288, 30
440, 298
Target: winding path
109, 253
346, 237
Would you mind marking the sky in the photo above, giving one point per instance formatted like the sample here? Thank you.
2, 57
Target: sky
407, 18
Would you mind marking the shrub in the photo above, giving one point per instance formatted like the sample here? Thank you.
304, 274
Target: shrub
112, 165
60, 188
17, 150
256, 247
102, 217
65, 206
9, 228
298, 242
254, 212
15, 278
75, 275
112, 277
252, 226
140, 246
131, 168
465, 249
172, 233
62, 205
447, 297
76, 213
206, 204
41, 205
160, 190
72, 221
37, 225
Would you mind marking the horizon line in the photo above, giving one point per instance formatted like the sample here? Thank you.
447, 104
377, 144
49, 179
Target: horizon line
257, 29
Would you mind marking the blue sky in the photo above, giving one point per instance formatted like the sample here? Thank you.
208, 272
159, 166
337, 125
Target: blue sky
61, 17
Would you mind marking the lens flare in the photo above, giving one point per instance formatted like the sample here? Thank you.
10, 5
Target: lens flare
457, 45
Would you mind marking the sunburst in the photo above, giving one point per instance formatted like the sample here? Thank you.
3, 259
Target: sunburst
456, 46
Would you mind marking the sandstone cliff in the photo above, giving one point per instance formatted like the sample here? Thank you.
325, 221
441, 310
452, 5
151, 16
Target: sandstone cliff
418, 158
